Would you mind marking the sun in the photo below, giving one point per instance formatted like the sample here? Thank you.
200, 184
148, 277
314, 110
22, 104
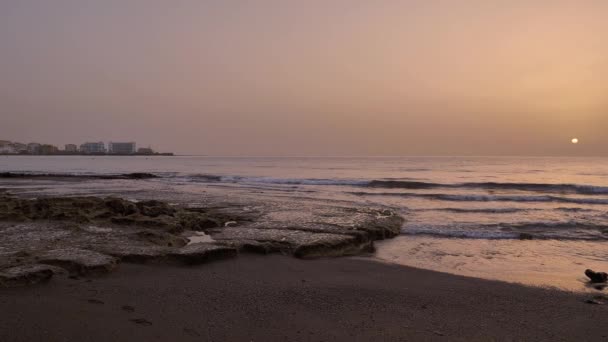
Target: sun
575, 140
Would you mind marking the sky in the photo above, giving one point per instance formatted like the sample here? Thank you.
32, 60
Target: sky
314, 77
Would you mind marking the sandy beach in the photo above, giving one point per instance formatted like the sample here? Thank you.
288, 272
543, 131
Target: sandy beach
256, 298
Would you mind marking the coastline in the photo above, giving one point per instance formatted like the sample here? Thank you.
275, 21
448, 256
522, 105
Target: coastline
157, 291
159, 154
143, 229
257, 298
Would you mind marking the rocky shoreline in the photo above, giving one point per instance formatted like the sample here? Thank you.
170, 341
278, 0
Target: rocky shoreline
76, 236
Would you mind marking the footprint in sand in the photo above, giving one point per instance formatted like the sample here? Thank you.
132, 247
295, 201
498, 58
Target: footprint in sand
128, 308
141, 321
191, 332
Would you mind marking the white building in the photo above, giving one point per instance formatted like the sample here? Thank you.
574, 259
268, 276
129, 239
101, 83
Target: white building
19, 147
122, 147
71, 148
93, 147
6, 147
33, 148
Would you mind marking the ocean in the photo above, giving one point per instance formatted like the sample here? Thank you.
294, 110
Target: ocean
459, 211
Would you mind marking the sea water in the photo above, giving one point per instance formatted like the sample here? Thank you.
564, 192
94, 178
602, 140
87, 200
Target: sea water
465, 215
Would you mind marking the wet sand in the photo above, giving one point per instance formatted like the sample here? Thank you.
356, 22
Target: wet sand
547, 263
276, 298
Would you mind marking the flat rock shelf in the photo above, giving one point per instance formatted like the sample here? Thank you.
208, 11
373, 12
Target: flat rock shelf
80, 236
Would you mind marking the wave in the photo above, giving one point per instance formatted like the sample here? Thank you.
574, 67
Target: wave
386, 183
483, 210
399, 184
205, 178
377, 183
540, 226
563, 188
83, 175
489, 198
569, 230
468, 234
277, 181
535, 187
410, 184
311, 181
462, 234
574, 210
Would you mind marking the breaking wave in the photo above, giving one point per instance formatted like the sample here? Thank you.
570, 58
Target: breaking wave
534, 230
277, 181
536, 187
410, 184
483, 210
489, 198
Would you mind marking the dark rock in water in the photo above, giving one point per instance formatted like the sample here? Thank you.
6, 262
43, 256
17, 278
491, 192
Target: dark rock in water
134, 175
120, 207
526, 236
596, 277
197, 221
26, 275
391, 184
383, 224
155, 208
79, 261
154, 214
139, 221
202, 252
7, 175
139, 175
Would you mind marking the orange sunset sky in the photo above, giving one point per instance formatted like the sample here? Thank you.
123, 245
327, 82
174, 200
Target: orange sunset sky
286, 77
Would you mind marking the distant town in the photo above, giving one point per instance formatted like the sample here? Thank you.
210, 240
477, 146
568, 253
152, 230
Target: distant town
87, 148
